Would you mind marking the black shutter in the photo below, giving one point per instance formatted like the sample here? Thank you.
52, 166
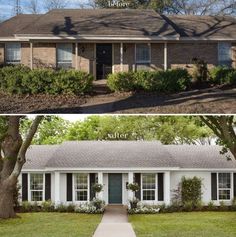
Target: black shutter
160, 187
213, 186
24, 187
92, 182
69, 187
234, 185
137, 179
47, 187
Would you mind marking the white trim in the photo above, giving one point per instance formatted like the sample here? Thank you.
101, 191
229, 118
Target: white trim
74, 190
165, 56
121, 57
149, 201
167, 185
113, 58
57, 188
76, 55
31, 55
29, 189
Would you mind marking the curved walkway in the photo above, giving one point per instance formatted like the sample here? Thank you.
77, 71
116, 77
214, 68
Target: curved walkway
115, 223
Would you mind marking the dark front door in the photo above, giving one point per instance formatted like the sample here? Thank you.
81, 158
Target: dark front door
104, 60
115, 188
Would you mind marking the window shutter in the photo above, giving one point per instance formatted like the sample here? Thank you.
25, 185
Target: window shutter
47, 187
234, 185
137, 179
160, 187
24, 187
213, 186
69, 187
92, 182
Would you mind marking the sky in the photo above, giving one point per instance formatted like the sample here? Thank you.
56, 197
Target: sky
7, 6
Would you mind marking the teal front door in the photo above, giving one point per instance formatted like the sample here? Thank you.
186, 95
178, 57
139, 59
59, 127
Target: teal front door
115, 188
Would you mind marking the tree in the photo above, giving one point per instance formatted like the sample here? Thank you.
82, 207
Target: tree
224, 128
54, 4
13, 150
33, 6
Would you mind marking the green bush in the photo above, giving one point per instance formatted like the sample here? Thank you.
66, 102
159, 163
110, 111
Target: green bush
223, 75
22, 80
47, 206
191, 191
169, 81
26, 206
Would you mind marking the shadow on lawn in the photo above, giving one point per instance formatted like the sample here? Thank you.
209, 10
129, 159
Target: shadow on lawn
145, 100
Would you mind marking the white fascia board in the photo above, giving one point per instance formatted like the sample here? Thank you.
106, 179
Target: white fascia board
32, 170
206, 39
13, 39
208, 169
102, 37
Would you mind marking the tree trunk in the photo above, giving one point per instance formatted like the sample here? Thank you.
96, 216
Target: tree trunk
6, 201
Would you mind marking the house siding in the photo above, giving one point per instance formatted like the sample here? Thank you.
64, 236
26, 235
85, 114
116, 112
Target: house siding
25, 54
86, 58
180, 55
44, 55
2, 57
234, 55
157, 57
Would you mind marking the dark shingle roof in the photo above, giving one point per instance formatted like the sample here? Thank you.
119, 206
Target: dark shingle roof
100, 22
203, 26
125, 154
16, 24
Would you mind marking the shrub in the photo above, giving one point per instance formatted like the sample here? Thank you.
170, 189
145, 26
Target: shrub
98, 204
160, 81
200, 72
61, 208
97, 188
89, 208
223, 75
26, 206
144, 210
191, 191
47, 206
134, 203
134, 187
122, 81
22, 80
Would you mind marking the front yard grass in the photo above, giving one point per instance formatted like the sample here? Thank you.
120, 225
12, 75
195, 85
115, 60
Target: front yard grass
201, 224
50, 225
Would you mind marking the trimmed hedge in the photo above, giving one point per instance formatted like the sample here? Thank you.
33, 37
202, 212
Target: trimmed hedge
21, 80
169, 81
223, 75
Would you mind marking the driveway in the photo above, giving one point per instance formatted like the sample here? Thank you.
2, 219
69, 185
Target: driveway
115, 223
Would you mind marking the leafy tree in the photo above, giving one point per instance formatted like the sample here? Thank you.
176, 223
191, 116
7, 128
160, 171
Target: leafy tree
12, 149
224, 128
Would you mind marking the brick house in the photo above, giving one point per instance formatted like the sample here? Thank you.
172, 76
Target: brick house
105, 41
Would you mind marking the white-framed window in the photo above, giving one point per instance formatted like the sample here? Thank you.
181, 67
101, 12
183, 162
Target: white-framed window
13, 53
143, 54
64, 55
81, 184
148, 187
224, 186
224, 53
36, 184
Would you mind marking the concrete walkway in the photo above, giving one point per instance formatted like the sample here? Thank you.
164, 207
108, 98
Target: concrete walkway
115, 223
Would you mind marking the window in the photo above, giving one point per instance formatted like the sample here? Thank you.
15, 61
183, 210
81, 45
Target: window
64, 55
13, 53
224, 186
149, 187
143, 55
81, 187
36, 187
224, 53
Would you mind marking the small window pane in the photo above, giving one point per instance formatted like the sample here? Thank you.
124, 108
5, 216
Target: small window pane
64, 55
36, 181
149, 181
81, 195
224, 180
13, 53
142, 53
224, 54
148, 195
36, 196
224, 194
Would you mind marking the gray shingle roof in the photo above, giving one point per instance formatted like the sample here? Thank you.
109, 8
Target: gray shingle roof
203, 26
125, 154
119, 22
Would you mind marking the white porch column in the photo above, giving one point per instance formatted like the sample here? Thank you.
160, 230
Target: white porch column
76, 55
130, 180
57, 188
165, 57
167, 187
31, 55
121, 56
100, 181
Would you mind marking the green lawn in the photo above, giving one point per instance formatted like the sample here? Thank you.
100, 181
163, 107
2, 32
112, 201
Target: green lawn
195, 224
50, 225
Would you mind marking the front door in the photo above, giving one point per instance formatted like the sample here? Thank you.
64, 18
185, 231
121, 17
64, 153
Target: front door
115, 188
104, 60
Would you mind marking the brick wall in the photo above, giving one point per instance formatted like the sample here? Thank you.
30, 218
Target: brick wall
181, 54
86, 58
25, 54
44, 55
129, 57
234, 55
2, 47
157, 56
116, 59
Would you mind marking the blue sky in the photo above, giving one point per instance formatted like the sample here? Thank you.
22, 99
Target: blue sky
6, 6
